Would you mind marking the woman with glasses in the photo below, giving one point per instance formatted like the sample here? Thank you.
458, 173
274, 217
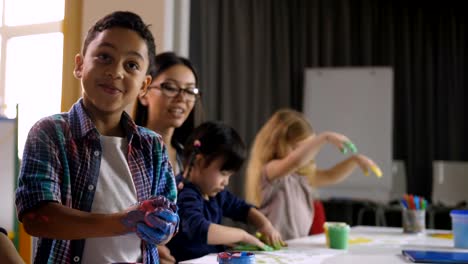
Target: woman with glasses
170, 106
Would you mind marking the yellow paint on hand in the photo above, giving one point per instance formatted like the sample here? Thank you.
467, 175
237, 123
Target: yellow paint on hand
376, 171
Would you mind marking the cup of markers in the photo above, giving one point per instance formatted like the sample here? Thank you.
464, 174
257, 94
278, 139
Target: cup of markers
413, 214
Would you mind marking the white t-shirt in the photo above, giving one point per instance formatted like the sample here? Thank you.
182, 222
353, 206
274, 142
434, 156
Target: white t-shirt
115, 192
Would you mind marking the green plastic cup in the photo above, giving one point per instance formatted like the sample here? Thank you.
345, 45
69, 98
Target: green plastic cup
337, 235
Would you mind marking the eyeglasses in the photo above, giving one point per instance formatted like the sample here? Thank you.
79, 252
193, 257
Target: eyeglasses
171, 90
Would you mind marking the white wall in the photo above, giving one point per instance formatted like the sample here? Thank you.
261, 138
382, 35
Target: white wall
151, 11
169, 19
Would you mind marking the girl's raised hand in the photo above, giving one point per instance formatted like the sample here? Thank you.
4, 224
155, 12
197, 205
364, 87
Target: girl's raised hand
365, 163
341, 141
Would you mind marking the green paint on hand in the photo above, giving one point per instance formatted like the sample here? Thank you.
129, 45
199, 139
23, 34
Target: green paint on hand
267, 248
350, 146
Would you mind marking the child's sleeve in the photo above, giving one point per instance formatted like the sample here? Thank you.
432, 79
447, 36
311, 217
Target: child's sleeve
165, 182
235, 208
41, 169
194, 224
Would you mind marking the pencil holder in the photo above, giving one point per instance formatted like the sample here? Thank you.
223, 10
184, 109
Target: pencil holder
236, 257
414, 221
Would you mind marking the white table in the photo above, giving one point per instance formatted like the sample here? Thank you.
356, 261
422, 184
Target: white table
368, 244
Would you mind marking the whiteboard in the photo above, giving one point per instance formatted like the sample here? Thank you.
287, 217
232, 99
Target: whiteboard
7, 172
357, 102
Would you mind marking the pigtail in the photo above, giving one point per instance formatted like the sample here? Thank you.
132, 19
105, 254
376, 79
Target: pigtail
191, 159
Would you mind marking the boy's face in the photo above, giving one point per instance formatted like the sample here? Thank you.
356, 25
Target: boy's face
113, 70
211, 179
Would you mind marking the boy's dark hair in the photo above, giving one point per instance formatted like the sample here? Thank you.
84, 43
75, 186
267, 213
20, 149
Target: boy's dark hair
217, 140
128, 20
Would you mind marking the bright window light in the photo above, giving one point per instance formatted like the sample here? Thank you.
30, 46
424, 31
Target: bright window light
33, 79
28, 12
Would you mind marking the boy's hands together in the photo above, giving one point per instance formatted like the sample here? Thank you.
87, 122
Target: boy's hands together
154, 220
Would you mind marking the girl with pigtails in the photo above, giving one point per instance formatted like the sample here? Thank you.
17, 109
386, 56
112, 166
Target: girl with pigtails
213, 153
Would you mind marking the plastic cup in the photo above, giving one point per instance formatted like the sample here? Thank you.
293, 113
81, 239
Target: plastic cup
414, 221
337, 234
236, 257
460, 228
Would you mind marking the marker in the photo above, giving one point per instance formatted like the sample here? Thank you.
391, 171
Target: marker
416, 202
411, 202
404, 203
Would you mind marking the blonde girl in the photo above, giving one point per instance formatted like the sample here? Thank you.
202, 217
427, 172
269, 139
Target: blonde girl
281, 172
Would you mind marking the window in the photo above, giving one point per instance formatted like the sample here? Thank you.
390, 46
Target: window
31, 57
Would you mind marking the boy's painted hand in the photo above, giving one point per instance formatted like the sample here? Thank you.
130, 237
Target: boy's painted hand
154, 220
155, 236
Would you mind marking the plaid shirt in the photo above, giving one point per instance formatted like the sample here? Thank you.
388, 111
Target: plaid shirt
61, 164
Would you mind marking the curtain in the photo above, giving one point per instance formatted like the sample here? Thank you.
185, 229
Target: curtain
251, 56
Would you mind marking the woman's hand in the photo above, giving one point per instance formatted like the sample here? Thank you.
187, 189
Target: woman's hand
366, 163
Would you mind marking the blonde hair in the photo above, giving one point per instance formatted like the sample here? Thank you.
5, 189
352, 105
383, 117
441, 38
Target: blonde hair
274, 141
